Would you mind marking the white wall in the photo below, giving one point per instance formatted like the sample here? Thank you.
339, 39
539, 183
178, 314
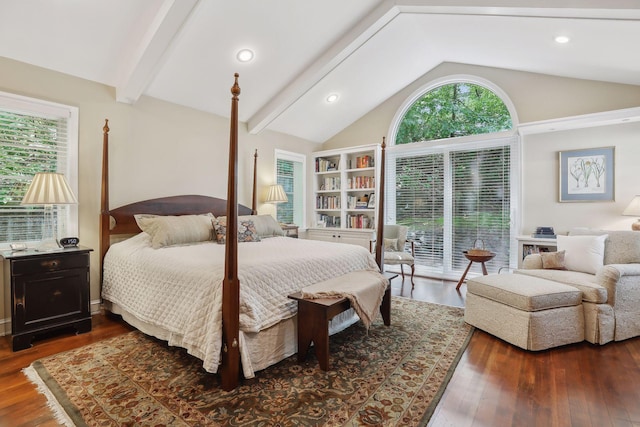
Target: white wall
536, 98
541, 178
156, 148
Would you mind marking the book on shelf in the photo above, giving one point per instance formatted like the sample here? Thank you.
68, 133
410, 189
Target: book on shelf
328, 202
359, 221
533, 249
361, 182
326, 165
364, 162
330, 184
328, 221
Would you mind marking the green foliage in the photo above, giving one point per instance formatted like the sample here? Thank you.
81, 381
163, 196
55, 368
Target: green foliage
27, 146
454, 110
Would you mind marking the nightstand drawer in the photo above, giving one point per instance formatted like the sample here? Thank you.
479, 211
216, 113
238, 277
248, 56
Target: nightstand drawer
45, 264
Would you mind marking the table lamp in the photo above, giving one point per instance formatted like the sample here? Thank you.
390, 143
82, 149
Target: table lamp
276, 194
48, 189
634, 210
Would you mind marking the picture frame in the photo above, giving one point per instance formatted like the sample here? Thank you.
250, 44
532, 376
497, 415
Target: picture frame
372, 201
587, 175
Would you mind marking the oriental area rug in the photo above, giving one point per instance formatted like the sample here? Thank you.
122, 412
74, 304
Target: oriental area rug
384, 377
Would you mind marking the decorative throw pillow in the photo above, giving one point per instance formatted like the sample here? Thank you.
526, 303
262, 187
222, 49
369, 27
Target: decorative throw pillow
553, 260
582, 253
175, 230
391, 245
266, 225
246, 230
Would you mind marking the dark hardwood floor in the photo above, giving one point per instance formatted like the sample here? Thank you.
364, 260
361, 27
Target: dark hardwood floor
495, 383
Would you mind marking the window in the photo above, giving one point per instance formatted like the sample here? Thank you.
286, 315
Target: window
454, 110
35, 136
452, 177
290, 173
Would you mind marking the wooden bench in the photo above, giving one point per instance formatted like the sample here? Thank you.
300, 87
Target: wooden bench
314, 316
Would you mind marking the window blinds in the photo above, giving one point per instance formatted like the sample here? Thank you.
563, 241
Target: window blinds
452, 198
419, 204
286, 178
29, 143
480, 189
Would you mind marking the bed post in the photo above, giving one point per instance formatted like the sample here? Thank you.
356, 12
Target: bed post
254, 209
380, 225
230, 368
104, 198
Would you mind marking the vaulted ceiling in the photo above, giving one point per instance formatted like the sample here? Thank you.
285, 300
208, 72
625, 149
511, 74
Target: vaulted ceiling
184, 51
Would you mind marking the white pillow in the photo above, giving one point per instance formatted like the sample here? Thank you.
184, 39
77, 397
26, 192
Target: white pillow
582, 253
175, 230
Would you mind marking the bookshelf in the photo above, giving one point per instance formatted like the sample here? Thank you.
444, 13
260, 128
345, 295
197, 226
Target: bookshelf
533, 245
344, 194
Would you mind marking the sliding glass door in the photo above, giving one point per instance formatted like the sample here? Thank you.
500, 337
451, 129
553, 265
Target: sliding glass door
453, 197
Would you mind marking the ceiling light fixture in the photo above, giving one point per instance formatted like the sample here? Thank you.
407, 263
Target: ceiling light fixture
562, 39
332, 98
245, 55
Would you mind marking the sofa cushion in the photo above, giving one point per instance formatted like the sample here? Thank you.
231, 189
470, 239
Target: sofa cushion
583, 253
592, 291
621, 247
527, 293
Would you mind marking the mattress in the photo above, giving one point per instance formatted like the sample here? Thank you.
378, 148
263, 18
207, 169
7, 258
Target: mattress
175, 293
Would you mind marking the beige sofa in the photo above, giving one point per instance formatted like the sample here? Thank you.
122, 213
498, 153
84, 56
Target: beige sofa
611, 294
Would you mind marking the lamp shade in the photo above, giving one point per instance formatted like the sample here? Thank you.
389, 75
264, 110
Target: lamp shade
634, 210
276, 194
634, 207
48, 188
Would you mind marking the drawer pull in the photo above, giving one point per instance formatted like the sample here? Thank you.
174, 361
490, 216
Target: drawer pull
51, 264
57, 293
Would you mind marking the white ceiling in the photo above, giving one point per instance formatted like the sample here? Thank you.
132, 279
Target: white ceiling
183, 51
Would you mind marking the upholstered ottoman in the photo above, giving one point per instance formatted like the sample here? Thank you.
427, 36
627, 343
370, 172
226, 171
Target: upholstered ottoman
526, 311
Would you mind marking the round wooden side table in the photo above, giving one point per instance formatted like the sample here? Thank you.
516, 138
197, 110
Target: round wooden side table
475, 258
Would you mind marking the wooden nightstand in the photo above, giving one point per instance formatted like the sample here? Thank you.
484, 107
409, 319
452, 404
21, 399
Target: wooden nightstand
290, 230
48, 291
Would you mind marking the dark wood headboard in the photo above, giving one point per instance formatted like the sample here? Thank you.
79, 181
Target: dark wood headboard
123, 221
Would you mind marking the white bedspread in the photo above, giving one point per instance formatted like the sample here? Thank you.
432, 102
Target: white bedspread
179, 289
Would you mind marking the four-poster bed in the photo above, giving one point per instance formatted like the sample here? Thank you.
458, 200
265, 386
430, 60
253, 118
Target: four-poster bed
189, 294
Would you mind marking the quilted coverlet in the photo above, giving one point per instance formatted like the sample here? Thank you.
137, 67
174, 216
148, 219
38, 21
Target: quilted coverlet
179, 288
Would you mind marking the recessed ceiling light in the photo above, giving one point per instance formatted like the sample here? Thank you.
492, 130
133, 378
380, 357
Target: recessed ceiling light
245, 55
562, 39
332, 98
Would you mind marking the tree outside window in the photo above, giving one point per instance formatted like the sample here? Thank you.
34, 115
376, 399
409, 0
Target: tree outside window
454, 110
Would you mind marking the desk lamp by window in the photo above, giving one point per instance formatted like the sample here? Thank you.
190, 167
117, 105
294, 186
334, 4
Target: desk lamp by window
634, 210
49, 189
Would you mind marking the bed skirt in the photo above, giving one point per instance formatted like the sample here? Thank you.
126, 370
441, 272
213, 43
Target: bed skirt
257, 350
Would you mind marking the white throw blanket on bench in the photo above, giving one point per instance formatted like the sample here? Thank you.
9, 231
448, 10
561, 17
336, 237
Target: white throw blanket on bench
364, 289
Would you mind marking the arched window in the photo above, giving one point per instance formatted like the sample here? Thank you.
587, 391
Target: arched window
453, 110
452, 174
